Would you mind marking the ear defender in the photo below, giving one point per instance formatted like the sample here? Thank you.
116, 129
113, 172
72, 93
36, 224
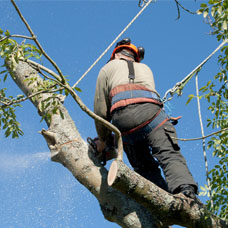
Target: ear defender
141, 51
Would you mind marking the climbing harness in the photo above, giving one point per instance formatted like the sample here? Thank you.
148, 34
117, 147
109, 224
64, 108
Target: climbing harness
123, 95
131, 75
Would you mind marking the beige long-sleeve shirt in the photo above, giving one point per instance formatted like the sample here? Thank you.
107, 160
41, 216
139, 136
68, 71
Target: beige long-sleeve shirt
113, 74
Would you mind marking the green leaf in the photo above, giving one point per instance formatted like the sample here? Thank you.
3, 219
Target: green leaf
7, 33
203, 5
78, 89
219, 10
200, 11
212, 11
205, 13
61, 114
3, 71
190, 98
224, 25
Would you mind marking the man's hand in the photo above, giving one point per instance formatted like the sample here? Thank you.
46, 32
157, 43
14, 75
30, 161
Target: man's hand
100, 145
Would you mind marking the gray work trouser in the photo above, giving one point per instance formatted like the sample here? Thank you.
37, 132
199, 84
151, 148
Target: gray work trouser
146, 150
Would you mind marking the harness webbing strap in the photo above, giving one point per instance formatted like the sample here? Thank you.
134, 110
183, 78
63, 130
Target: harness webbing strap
127, 94
134, 94
141, 125
140, 131
131, 75
126, 87
126, 102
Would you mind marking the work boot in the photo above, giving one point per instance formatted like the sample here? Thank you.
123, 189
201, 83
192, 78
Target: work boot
189, 191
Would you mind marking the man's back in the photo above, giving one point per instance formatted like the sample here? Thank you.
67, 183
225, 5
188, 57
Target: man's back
116, 73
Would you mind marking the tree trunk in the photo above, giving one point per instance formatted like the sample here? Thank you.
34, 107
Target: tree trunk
129, 200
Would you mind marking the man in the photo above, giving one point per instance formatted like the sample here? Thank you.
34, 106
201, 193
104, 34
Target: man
126, 96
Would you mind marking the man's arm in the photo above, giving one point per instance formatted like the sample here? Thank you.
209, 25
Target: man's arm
102, 108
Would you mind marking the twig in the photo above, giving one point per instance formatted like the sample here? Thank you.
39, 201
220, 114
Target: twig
18, 36
204, 137
178, 10
39, 66
185, 9
37, 42
11, 102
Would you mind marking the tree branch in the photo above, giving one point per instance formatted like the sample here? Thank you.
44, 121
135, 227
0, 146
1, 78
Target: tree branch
204, 137
171, 209
185, 9
17, 36
39, 66
37, 42
17, 101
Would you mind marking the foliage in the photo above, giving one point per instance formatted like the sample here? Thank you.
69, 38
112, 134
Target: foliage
216, 93
11, 50
8, 118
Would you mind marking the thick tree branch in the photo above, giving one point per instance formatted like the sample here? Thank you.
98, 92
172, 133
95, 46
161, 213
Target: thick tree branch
172, 209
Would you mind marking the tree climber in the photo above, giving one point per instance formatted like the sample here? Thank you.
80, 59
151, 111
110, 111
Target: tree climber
126, 96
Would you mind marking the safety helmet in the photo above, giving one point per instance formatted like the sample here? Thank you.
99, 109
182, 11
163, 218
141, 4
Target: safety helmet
126, 44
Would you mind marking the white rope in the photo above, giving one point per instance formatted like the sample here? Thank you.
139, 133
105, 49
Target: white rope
179, 85
114, 41
204, 143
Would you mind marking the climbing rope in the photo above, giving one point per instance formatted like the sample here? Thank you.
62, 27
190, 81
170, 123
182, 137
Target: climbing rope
113, 42
204, 142
180, 85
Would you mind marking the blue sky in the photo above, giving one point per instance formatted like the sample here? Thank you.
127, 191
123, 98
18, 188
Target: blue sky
36, 192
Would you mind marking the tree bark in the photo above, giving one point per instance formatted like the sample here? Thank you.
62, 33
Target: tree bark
129, 200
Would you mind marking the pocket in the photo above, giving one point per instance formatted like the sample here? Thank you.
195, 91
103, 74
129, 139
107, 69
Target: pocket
171, 134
